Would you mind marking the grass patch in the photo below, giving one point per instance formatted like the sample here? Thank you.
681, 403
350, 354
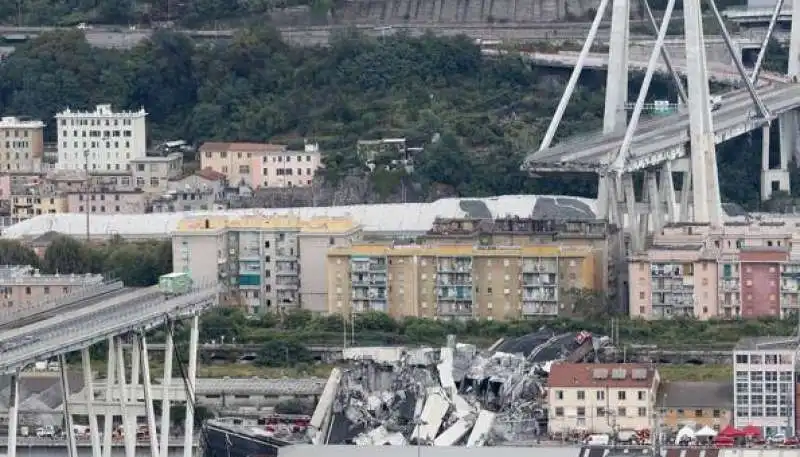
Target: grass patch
688, 372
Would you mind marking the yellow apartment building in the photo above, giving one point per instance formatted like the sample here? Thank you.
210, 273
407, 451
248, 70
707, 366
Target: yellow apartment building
457, 281
21, 145
27, 206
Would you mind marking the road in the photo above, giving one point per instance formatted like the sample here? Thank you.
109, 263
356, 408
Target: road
73, 331
667, 133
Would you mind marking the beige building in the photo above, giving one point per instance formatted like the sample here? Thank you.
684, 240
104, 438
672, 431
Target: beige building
259, 258
503, 269
107, 201
262, 164
601, 398
21, 145
22, 286
153, 174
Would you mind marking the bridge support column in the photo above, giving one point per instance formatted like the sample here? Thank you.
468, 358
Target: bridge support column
656, 206
165, 401
705, 190
13, 414
128, 426
633, 216
152, 432
72, 446
192, 381
667, 189
88, 388
108, 420
773, 179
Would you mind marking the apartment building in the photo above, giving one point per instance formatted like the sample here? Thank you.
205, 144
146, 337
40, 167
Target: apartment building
202, 191
152, 174
259, 258
21, 145
262, 164
464, 269
27, 206
601, 398
100, 140
22, 286
739, 270
700, 403
765, 384
107, 201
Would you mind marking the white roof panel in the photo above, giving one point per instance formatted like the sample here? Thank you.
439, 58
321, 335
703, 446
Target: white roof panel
386, 218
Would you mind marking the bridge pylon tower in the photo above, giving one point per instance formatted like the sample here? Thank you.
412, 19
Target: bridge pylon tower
695, 160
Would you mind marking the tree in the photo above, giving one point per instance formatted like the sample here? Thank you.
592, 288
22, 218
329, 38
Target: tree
283, 354
13, 252
66, 255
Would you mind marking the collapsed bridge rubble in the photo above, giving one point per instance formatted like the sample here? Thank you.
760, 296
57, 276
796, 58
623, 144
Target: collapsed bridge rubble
444, 397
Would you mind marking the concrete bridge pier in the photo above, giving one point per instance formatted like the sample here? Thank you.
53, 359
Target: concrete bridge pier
777, 178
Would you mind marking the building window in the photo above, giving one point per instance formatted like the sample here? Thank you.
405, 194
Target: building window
642, 412
622, 412
741, 358
581, 411
581, 395
601, 395
716, 413
27, 291
559, 411
642, 395
601, 411
46, 290
559, 393
698, 413
621, 395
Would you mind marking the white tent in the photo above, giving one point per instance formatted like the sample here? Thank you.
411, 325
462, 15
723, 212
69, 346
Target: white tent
706, 432
685, 432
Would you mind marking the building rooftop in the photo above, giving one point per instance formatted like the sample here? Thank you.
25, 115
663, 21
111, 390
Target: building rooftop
767, 343
11, 122
209, 174
396, 218
157, 159
102, 111
24, 275
279, 221
602, 375
461, 250
691, 395
241, 147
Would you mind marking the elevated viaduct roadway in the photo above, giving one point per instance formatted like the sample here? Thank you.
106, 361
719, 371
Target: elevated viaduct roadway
660, 140
129, 313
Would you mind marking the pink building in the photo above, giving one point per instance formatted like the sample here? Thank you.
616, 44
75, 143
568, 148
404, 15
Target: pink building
739, 270
262, 164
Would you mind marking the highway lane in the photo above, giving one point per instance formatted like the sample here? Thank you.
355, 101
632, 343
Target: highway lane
83, 310
114, 320
669, 132
38, 317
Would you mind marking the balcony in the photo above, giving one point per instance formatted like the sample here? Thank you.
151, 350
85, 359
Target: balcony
456, 309
539, 309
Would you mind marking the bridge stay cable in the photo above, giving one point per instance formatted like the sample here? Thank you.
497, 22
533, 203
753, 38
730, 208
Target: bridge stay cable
763, 51
737, 61
676, 78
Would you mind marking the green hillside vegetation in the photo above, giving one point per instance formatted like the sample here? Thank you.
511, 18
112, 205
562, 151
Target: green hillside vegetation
488, 112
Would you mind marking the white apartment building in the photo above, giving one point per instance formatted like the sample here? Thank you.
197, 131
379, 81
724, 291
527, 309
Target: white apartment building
103, 140
764, 371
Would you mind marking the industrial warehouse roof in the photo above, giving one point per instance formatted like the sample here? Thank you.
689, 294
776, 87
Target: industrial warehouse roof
383, 218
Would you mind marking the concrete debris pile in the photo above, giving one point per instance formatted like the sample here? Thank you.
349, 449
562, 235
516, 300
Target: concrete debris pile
435, 397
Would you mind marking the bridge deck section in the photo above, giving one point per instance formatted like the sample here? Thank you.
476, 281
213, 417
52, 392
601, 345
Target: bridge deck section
73, 331
663, 139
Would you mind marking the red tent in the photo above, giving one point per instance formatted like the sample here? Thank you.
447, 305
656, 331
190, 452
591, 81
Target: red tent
731, 431
751, 431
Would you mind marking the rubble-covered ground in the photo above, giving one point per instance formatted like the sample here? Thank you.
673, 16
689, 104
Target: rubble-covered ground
444, 397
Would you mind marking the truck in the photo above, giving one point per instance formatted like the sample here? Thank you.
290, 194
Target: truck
172, 284
716, 102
